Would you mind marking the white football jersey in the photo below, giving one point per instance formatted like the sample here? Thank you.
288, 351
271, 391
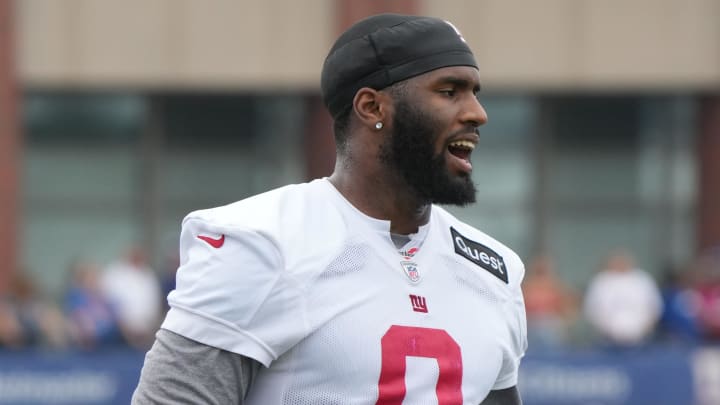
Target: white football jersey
300, 280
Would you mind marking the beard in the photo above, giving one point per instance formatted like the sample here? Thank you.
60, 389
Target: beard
410, 153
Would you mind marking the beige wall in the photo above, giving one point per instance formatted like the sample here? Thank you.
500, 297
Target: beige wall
592, 43
548, 44
176, 43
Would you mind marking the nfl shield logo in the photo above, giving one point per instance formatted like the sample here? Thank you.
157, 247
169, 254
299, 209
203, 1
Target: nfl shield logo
411, 270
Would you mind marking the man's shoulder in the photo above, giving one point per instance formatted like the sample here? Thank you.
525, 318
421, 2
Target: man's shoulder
295, 219
458, 226
476, 245
261, 210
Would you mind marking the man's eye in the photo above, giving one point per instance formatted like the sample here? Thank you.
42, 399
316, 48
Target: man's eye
448, 92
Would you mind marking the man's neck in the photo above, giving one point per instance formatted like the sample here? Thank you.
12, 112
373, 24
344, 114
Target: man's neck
376, 196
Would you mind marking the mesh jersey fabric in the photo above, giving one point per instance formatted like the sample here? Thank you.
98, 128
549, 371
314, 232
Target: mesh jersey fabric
316, 291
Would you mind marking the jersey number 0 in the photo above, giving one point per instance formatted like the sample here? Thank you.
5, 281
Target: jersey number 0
402, 341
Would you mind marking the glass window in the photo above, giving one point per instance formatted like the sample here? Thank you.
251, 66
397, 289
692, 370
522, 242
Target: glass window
619, 176
503, 172
88, 118
80, 179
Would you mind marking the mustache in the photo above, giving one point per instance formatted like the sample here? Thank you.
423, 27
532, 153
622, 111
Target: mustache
468, 129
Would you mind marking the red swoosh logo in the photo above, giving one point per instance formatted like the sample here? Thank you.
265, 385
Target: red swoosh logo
216, 243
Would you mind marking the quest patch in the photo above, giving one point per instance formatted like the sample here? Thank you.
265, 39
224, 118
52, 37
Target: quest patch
480, 254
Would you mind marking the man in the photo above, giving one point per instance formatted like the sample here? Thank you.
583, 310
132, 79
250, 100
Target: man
355, 289
623, 302
133, 290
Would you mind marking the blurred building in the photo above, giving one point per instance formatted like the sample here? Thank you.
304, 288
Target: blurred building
118, 118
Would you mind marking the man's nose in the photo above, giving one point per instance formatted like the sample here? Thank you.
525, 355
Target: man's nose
475, 114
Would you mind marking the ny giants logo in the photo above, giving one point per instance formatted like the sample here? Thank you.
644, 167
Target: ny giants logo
418, 303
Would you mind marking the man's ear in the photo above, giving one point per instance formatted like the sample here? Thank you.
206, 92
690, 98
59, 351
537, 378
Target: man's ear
371, 106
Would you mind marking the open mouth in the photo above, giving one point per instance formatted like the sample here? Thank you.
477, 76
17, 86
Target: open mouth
461, 149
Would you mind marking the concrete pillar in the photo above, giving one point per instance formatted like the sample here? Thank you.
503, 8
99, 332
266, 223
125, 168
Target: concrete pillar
350, 11
319, 145
10, 149
708, 213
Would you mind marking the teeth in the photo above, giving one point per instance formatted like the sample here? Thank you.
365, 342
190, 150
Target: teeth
463, 145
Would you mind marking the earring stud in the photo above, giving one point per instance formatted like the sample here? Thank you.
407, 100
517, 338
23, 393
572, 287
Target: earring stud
378, 125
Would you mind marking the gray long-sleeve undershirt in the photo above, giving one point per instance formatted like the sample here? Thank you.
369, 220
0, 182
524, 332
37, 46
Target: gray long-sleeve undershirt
178, 370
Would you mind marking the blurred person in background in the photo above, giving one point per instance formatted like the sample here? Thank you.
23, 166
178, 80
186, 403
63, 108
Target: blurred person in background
11, 333
708, 290
28, 319
551, 305
92, 320
680, 319
355, 288
623, 302
133, 290
168, 274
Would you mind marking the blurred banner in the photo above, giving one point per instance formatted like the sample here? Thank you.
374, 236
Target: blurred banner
107, 377
655, 375
650, 375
